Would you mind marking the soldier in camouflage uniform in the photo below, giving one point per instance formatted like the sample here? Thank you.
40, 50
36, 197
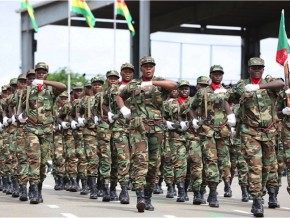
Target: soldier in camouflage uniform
86, 113
257, 96
37, 102
120, 145
177, 141
217, 118
30, 76
146, 96
68, 124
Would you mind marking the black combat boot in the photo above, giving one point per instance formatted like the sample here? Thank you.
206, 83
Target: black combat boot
257, 207
85, 189
34, 194
156, 189
15, 188
228, 190
124, 196
148, 195
174, 189
197, 198
74, 184
181, 192
1, 184
272, 203
93, 187
113, 192
67, 183
186, 198
106, 197
170, 192
56, 182
9, 186
202, 193
5, 184
140, 200
212, 197
100, 188
40, 199
60, 184
276, 194
189, 189
23, 193
245, 194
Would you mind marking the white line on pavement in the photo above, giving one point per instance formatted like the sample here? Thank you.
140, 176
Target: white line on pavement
241, 211
52, 206
169, 216
68, 215
285, 208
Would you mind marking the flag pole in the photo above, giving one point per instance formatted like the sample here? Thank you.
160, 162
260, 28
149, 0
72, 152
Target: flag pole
68, 49
115, 32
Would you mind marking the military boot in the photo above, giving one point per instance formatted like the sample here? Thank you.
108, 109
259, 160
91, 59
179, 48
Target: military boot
1, 184
276, 194
197, 198
186, 198
23, 193
15, 188
93, 187
245, 194
56, 182
9, 186
272, 203
148, 195
113, 192
212, 197
5, 184
181, 192
60, 184
106, 197
203, 201
170, 192
124, 196
85, 189
257, 207
156, 189
74, 184
40, 199
67, 183
227, 190
140, 200
100, 188
34, 194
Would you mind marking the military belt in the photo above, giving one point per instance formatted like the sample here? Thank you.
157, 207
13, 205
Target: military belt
152, 122
264, 129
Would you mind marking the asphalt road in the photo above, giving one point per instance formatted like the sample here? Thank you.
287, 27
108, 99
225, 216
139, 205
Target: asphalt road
73, 205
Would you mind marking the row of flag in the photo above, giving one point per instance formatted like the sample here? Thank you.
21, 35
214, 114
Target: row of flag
81, 7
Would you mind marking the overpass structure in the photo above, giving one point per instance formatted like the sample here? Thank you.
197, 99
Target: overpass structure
253, 21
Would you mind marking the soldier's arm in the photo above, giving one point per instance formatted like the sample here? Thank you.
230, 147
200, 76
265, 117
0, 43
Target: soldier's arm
227, 108
274, 85
57, 85
165, 84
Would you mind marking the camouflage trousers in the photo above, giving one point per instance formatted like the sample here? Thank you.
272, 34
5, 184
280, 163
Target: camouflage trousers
241, 163
262, 162
1, 155
166, 162
121, 157
194, 160
280, 159
6, 154
286, 143
216, 159
22, 160
91, 152
58, 157
80, 153
12, 148
145, 158
70, 157
38, 139
104, 148
177, 145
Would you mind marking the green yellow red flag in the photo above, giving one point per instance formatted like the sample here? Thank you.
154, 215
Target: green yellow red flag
122, 9
25, 4
81, 7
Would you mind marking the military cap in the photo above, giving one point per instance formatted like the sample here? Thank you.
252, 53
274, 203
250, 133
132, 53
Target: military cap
127, 65
202, 80
64, 94
88, 83
183, 83
30, 71
22, 76
4, 88
78, 85
216, 68
13, 81
41, 65
112, 73
97, 79
256, 62
147, 60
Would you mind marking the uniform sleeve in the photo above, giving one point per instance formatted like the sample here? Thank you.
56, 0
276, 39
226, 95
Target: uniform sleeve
234, 94
197, 99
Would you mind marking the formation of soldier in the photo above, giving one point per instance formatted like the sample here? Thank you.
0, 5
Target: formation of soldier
140, 132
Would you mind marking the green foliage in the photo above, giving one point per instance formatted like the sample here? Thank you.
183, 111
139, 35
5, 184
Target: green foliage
61, 76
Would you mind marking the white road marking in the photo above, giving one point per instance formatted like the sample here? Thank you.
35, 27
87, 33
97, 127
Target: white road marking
53, 206
169, 216
241, 211
69, 215
285, 208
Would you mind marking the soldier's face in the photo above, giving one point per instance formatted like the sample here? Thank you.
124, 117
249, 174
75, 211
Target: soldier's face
21, 84
174, 93
127, 75
41, 74
78, 93
97, 87
112, 80
184, 91
256, 72
30, 78
216, 77
201, 86
63, 100
148, 70
89, 90
4, 94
